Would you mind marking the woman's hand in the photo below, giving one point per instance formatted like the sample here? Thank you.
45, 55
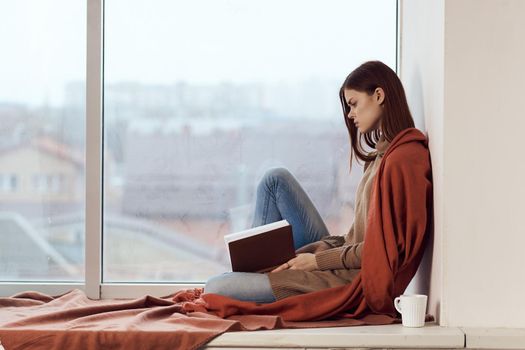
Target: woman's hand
304, 261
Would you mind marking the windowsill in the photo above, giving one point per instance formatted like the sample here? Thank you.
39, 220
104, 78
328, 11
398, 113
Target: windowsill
494, 338
382, 336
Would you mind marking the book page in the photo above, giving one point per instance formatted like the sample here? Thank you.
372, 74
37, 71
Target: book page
254, 231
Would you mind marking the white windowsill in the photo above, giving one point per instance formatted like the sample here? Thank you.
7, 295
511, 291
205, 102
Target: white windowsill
494, 338
431, 336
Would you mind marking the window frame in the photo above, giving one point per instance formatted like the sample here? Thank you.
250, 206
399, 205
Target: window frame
93, 284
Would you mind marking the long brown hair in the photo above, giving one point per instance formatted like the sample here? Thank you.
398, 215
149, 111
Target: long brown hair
396, 114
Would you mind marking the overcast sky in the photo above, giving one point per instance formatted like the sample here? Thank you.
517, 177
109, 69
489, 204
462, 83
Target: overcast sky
201, 41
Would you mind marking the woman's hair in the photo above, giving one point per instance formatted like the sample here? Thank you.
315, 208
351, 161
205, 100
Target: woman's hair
396, 114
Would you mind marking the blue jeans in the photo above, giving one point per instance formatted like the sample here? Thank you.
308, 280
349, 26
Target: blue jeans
279, 196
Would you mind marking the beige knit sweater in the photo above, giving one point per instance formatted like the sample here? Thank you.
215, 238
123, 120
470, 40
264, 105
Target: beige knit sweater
340, 264
346, 251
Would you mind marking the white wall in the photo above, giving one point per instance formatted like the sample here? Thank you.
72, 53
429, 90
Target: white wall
462, 64
484, 254
421, 71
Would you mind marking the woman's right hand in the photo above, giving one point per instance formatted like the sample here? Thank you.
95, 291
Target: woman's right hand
313, 247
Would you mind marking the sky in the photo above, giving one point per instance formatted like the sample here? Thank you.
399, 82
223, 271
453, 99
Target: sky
200, 41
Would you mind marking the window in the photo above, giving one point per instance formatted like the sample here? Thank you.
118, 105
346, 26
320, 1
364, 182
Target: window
200, 99
8, 182
41, 138
186, 104
48, 183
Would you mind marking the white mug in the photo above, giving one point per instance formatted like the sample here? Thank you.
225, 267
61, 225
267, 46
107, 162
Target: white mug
412, 308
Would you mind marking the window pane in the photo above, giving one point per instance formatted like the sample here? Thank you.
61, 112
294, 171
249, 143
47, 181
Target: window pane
42, 117
201, 98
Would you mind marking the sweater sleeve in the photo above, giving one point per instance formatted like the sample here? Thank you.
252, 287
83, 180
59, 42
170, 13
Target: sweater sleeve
347, 256
341, 255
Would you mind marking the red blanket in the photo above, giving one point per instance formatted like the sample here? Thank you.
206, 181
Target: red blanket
399, 222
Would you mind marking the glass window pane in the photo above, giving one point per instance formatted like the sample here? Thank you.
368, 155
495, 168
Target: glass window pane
42, 117
201, 98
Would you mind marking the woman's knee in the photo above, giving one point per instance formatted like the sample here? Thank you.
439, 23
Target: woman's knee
276, 174
217, 284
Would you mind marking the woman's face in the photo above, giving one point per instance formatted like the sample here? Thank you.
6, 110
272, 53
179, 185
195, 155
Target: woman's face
365, 110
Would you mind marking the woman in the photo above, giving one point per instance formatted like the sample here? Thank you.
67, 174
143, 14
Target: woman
375, 109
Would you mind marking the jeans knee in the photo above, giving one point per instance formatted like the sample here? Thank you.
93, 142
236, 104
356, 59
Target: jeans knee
275, 174
217, 284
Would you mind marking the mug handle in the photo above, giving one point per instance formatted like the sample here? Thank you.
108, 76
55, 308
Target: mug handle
397, 300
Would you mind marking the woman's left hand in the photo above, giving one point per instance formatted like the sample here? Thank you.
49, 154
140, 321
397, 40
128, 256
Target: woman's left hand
303, 261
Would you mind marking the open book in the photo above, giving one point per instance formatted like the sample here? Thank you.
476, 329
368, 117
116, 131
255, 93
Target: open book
261, 248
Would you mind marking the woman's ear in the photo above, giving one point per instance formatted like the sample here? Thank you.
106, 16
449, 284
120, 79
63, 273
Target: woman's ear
380, 95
